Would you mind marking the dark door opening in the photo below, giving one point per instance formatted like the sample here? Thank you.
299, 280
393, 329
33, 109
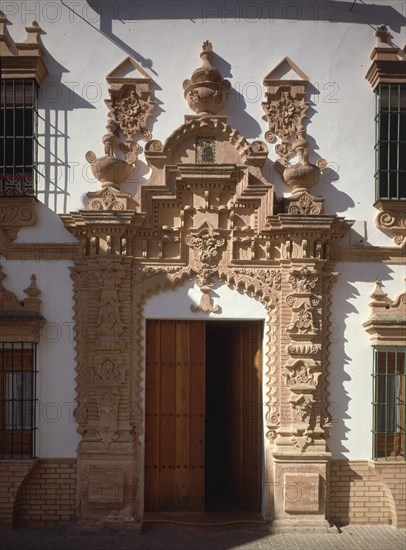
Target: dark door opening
233, 436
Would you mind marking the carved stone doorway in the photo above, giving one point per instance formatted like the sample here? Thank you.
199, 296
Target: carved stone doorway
203, 429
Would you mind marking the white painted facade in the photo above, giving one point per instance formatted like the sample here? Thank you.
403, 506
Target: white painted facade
83, 46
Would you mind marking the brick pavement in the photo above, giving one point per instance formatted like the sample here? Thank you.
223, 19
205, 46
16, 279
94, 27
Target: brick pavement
350, 538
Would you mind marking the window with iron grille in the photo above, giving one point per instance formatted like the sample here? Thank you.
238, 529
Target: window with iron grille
18, 136
17, 400
389, 403
390, 142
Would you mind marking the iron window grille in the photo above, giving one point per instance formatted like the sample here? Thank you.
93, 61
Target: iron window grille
389, 403
390, 142
17, 400
18, 137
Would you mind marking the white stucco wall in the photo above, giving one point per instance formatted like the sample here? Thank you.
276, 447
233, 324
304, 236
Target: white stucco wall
175, 304
329, 41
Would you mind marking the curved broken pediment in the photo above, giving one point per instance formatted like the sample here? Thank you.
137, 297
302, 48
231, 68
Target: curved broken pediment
182, 144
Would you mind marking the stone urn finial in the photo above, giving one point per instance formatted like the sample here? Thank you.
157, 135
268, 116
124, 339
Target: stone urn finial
302, 175
206, 92
130, 105
109, 170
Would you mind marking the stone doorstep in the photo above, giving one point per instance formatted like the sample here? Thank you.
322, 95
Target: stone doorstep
105, 527
302, 526
204, 521
79, 527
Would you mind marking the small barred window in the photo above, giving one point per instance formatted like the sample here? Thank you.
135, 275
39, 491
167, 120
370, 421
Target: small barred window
389, 403
18, 137
17, 400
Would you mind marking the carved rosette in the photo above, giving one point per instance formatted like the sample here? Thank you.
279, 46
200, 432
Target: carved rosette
206, 246
284, 112
131, 111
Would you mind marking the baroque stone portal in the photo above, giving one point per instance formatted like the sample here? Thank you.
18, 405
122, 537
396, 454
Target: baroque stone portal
207, 213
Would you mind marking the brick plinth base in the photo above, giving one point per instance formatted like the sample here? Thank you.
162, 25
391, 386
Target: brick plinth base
42, 492
13, 473
367, 492
38, 493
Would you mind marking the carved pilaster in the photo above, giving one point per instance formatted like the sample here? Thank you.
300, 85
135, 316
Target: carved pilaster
302, 366
104, 398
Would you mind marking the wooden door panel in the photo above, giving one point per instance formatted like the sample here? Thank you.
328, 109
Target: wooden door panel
166, 433
197, 414
174, 445
152, 401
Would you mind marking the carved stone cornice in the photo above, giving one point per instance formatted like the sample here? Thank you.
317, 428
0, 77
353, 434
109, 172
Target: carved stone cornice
20, 320
386, 66
387, 323
307, 236
53, 252
16, 212
102, 232
392, 218
379, 254
25, 59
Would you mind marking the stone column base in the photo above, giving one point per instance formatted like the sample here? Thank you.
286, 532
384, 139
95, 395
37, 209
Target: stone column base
300, 492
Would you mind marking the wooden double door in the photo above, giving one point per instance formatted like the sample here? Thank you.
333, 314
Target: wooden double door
203, 425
